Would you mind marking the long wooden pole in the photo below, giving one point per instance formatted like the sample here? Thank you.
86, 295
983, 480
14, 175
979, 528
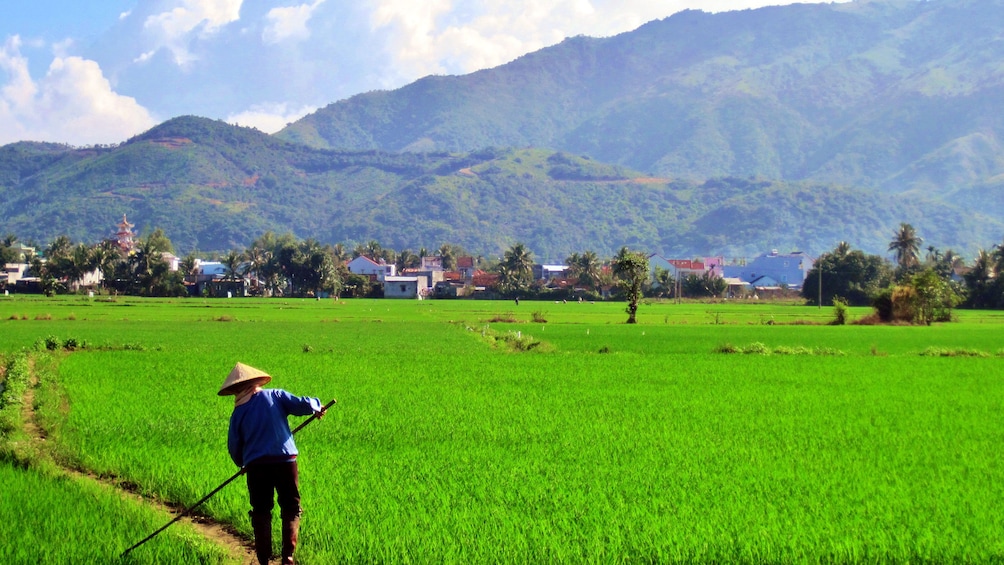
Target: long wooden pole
219, 488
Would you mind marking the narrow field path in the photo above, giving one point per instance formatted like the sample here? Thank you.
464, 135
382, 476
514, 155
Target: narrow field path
221, 534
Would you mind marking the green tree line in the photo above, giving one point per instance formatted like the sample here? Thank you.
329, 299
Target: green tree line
919, 284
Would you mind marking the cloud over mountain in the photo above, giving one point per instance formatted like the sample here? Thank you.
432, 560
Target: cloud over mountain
224, 58
72, 102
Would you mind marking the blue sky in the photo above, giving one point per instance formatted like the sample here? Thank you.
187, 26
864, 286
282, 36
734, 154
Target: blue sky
99, 72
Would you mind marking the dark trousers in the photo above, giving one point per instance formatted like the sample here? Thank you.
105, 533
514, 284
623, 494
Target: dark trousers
280, 479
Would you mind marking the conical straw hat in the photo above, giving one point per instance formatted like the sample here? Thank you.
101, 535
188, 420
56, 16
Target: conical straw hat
242, 374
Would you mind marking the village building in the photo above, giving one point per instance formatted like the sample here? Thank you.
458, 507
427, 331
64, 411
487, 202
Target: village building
678, 268
466, 267
773, 270
405, 287
376, 271
548, 272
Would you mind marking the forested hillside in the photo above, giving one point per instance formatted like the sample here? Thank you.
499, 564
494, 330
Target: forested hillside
212, 186
792, 127
900, 96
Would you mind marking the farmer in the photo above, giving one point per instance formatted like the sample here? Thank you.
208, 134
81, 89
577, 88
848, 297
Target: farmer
260, 441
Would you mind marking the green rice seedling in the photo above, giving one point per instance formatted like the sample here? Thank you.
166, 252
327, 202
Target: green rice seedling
442, 448
46, 519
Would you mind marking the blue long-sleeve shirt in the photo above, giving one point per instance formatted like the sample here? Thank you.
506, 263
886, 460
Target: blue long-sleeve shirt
258, 428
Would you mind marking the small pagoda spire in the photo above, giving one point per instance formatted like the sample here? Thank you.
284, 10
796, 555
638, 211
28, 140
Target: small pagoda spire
124, 235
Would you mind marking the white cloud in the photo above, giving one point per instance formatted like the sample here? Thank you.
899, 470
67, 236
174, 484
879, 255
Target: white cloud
449, 36
413, 38
172, 29
73, 103
446, 36
289, 23
270, 118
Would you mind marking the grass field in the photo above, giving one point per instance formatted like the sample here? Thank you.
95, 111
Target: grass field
603, 443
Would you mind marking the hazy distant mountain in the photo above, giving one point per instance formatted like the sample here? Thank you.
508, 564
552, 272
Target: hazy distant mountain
899, 96
212, 186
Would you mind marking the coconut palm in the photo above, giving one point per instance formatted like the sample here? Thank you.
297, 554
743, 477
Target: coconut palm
906, 246
338, 253
983, 268
148, 266
518, 262
77, 263
373, 250
406, 260
997, 259
589, 270
106, 255
232, 265
254, 257
449, 253
7, 253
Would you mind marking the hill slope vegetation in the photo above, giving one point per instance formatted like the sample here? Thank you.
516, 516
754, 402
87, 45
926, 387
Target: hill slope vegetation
213, 186
899, 96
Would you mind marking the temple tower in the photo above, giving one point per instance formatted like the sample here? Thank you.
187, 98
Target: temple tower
124, 235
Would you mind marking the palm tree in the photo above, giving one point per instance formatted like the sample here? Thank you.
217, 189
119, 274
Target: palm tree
449, 253
148, 266
983, 268
338, 253
106, 256
589, 270
270, 272
406, 259
255, 257
188, 265
7, 253
842, 249
665, 282
933, 254
232, 264
373, 250
980, 281
573, 264
906, 246
997, 259
518, 262
77, 264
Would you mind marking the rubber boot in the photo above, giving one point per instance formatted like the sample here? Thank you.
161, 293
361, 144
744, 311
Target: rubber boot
290, 535
262, 526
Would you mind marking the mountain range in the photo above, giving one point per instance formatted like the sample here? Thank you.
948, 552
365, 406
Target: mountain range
791, 127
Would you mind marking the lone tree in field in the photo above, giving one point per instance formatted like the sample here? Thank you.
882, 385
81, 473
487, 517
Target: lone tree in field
631, 268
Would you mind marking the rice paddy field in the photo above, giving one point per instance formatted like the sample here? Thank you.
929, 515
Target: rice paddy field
485, 432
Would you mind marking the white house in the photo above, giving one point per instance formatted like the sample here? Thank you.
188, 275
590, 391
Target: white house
548, 272
212, 268
405, 287
15, 272
172, 260
365, 266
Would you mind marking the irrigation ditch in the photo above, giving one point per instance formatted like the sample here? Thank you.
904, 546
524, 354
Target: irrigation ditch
30, 450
